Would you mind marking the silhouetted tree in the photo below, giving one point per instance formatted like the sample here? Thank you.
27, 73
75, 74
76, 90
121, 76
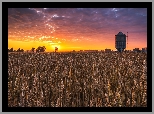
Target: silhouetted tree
18, 50
10, 50
33, 49
21, 50
56, 49
40, 49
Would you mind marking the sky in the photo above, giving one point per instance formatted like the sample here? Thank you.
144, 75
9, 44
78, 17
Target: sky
76, 28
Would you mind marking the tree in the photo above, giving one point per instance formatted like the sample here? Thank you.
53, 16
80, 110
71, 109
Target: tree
21, 50
56, 49
40, 49
18, 50
10, 50
33, 49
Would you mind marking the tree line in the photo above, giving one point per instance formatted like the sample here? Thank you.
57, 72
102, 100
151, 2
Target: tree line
39, 49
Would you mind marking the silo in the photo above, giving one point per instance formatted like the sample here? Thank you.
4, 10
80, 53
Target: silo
120, 41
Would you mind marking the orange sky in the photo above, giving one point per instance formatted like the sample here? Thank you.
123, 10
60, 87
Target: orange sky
75, 28
76, 45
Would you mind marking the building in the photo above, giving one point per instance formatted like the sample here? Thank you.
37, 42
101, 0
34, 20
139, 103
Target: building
90, 50
144, 50
107, 50
120, 41
102, 50
136, 50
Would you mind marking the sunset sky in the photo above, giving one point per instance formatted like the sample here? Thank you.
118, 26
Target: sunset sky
75, 28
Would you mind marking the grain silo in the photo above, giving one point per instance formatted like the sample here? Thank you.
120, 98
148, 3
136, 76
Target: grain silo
120, 41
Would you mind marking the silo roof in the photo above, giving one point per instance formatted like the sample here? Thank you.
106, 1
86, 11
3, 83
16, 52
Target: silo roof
120, 33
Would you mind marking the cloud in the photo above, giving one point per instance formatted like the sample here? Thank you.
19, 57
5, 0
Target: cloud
70, 23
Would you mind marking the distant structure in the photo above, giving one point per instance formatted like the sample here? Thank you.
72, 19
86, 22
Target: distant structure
144, 50
136, 50
120, 41
90, 50
107, 50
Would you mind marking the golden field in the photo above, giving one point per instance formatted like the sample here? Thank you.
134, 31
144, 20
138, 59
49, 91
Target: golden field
77, 79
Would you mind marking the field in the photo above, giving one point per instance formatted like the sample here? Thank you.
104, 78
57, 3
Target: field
77, 79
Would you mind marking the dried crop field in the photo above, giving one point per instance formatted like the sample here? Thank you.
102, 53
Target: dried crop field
79, 79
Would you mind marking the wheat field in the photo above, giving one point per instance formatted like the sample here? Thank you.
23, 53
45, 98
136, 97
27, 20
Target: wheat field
79, 79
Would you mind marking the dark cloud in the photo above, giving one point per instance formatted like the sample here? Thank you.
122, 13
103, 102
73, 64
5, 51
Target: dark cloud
74, 22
